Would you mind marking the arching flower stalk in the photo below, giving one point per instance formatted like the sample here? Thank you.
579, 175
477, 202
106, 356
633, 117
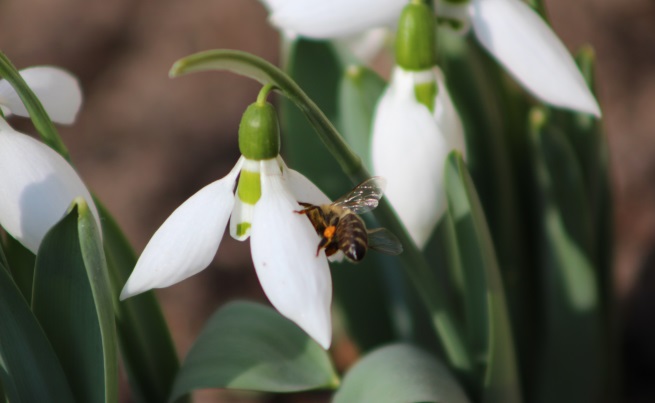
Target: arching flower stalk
283, 243
37, 185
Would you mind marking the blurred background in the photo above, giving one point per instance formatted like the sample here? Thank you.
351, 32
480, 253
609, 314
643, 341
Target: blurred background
144, 142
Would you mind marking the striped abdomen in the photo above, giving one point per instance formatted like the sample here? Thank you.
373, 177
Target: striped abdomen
351, 237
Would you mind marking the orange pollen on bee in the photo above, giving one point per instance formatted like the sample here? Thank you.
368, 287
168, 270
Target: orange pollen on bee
329, 231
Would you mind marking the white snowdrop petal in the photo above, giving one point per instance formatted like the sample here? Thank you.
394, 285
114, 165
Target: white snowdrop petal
187, 241
58, 91
332, 19
283, 245
37, 186
409, 150
526, 46
242, 214
303, 189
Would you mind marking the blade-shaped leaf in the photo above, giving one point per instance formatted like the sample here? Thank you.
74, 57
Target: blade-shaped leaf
496, 143
29, 368
73, 303
146, 345
359, 91
39, 117
252, 347
21, 261
399, 373
488, 326
572, 360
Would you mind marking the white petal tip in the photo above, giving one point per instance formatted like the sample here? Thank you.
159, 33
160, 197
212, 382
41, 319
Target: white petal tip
129, 292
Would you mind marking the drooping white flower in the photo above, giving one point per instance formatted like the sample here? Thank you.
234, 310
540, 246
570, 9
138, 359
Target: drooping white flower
409, 147
510, 30
37, 185
519, 39
283, 243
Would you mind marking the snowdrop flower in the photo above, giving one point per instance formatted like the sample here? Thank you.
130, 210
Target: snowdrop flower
512, 32
415, 126
283, 243
37, 185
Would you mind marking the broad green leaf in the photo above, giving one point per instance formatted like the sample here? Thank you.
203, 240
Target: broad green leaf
430, 291
359, 92
400, 373
572, 360
73, 303
488, 327
21, 261
29, 368
39, 117
496, 147
147, 348
252, 347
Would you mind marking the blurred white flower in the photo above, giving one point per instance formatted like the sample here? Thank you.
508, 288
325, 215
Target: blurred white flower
409, 147
37, 185
511, 31
283, 243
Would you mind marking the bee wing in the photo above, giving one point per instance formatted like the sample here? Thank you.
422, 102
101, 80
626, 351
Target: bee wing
364, 197
383, 240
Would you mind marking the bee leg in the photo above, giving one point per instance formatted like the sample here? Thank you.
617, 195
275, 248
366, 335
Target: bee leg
306, 206
321, 245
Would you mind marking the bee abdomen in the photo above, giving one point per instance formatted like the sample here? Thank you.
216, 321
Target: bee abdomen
352, 238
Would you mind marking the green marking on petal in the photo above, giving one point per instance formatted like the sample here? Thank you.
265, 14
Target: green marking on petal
426, 94
250, 187
242, 228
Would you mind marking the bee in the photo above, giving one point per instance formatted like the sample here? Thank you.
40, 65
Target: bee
341, 229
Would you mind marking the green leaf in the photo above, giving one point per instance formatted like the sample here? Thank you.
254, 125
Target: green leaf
73, 303
359, 91
252, 347
399, 373
496, 148
39, 117
147, 348
29, 368
488, 326
21, 261
572, 361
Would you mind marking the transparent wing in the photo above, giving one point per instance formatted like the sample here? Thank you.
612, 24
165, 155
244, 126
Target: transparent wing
364, 197
383, 240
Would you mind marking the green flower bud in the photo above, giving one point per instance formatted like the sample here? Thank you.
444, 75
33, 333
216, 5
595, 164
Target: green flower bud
259, 132
416, 38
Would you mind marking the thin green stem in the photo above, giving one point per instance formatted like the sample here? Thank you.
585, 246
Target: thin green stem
263, 94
